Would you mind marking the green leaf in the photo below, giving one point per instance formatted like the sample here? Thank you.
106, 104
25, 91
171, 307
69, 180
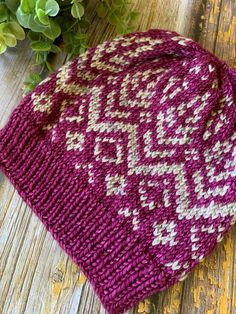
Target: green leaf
131, 29
70, 56
121, 29
49, 67
10, 39
80, 36
55, 49
102, 9
15, 29
6, 36
114, 18
40, 46
12, 5
53, 30
77, 10
39, 58
29, 87
40, 4
33, 36
43, 18
68, 48
122, 11
51, 8
35, 24
2, 26
3, 46
133, 17
23, 18
29, 20
118, 2
68, 37
76, 50
27, 6
11, 16
84, 23
82, 49
3, 12
34, 77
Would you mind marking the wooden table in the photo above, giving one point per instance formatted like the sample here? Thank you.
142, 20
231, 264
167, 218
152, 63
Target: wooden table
36, 276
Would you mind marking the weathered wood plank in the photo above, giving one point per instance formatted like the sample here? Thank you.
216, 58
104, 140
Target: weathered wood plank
36, 276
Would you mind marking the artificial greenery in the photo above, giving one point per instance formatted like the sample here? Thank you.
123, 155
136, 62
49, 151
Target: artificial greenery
54, 26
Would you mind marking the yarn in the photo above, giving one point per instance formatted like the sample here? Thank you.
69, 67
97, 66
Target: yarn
127, 154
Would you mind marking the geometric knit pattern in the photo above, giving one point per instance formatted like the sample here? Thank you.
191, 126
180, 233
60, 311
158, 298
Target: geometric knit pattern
127, 154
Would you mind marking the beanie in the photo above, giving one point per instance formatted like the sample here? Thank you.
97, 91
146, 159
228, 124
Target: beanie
127, 154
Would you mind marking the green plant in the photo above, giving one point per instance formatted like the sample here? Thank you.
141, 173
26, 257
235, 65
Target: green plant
118, 14
54, 26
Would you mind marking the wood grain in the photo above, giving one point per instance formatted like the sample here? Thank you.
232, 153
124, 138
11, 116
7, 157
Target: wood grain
36, 276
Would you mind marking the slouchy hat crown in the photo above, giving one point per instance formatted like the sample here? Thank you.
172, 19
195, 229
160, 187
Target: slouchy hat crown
127, 155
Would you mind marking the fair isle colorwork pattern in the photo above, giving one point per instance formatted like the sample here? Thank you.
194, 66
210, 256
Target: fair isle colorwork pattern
127, 154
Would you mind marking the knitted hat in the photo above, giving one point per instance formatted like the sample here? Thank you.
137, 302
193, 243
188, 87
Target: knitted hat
127, 154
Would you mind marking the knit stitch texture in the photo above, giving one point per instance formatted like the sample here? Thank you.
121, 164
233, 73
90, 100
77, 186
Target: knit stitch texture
127, 154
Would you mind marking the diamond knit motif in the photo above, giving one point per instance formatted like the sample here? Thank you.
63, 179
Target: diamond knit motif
128, 156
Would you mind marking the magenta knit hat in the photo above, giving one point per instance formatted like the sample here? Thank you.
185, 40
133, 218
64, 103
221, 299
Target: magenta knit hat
127, 154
